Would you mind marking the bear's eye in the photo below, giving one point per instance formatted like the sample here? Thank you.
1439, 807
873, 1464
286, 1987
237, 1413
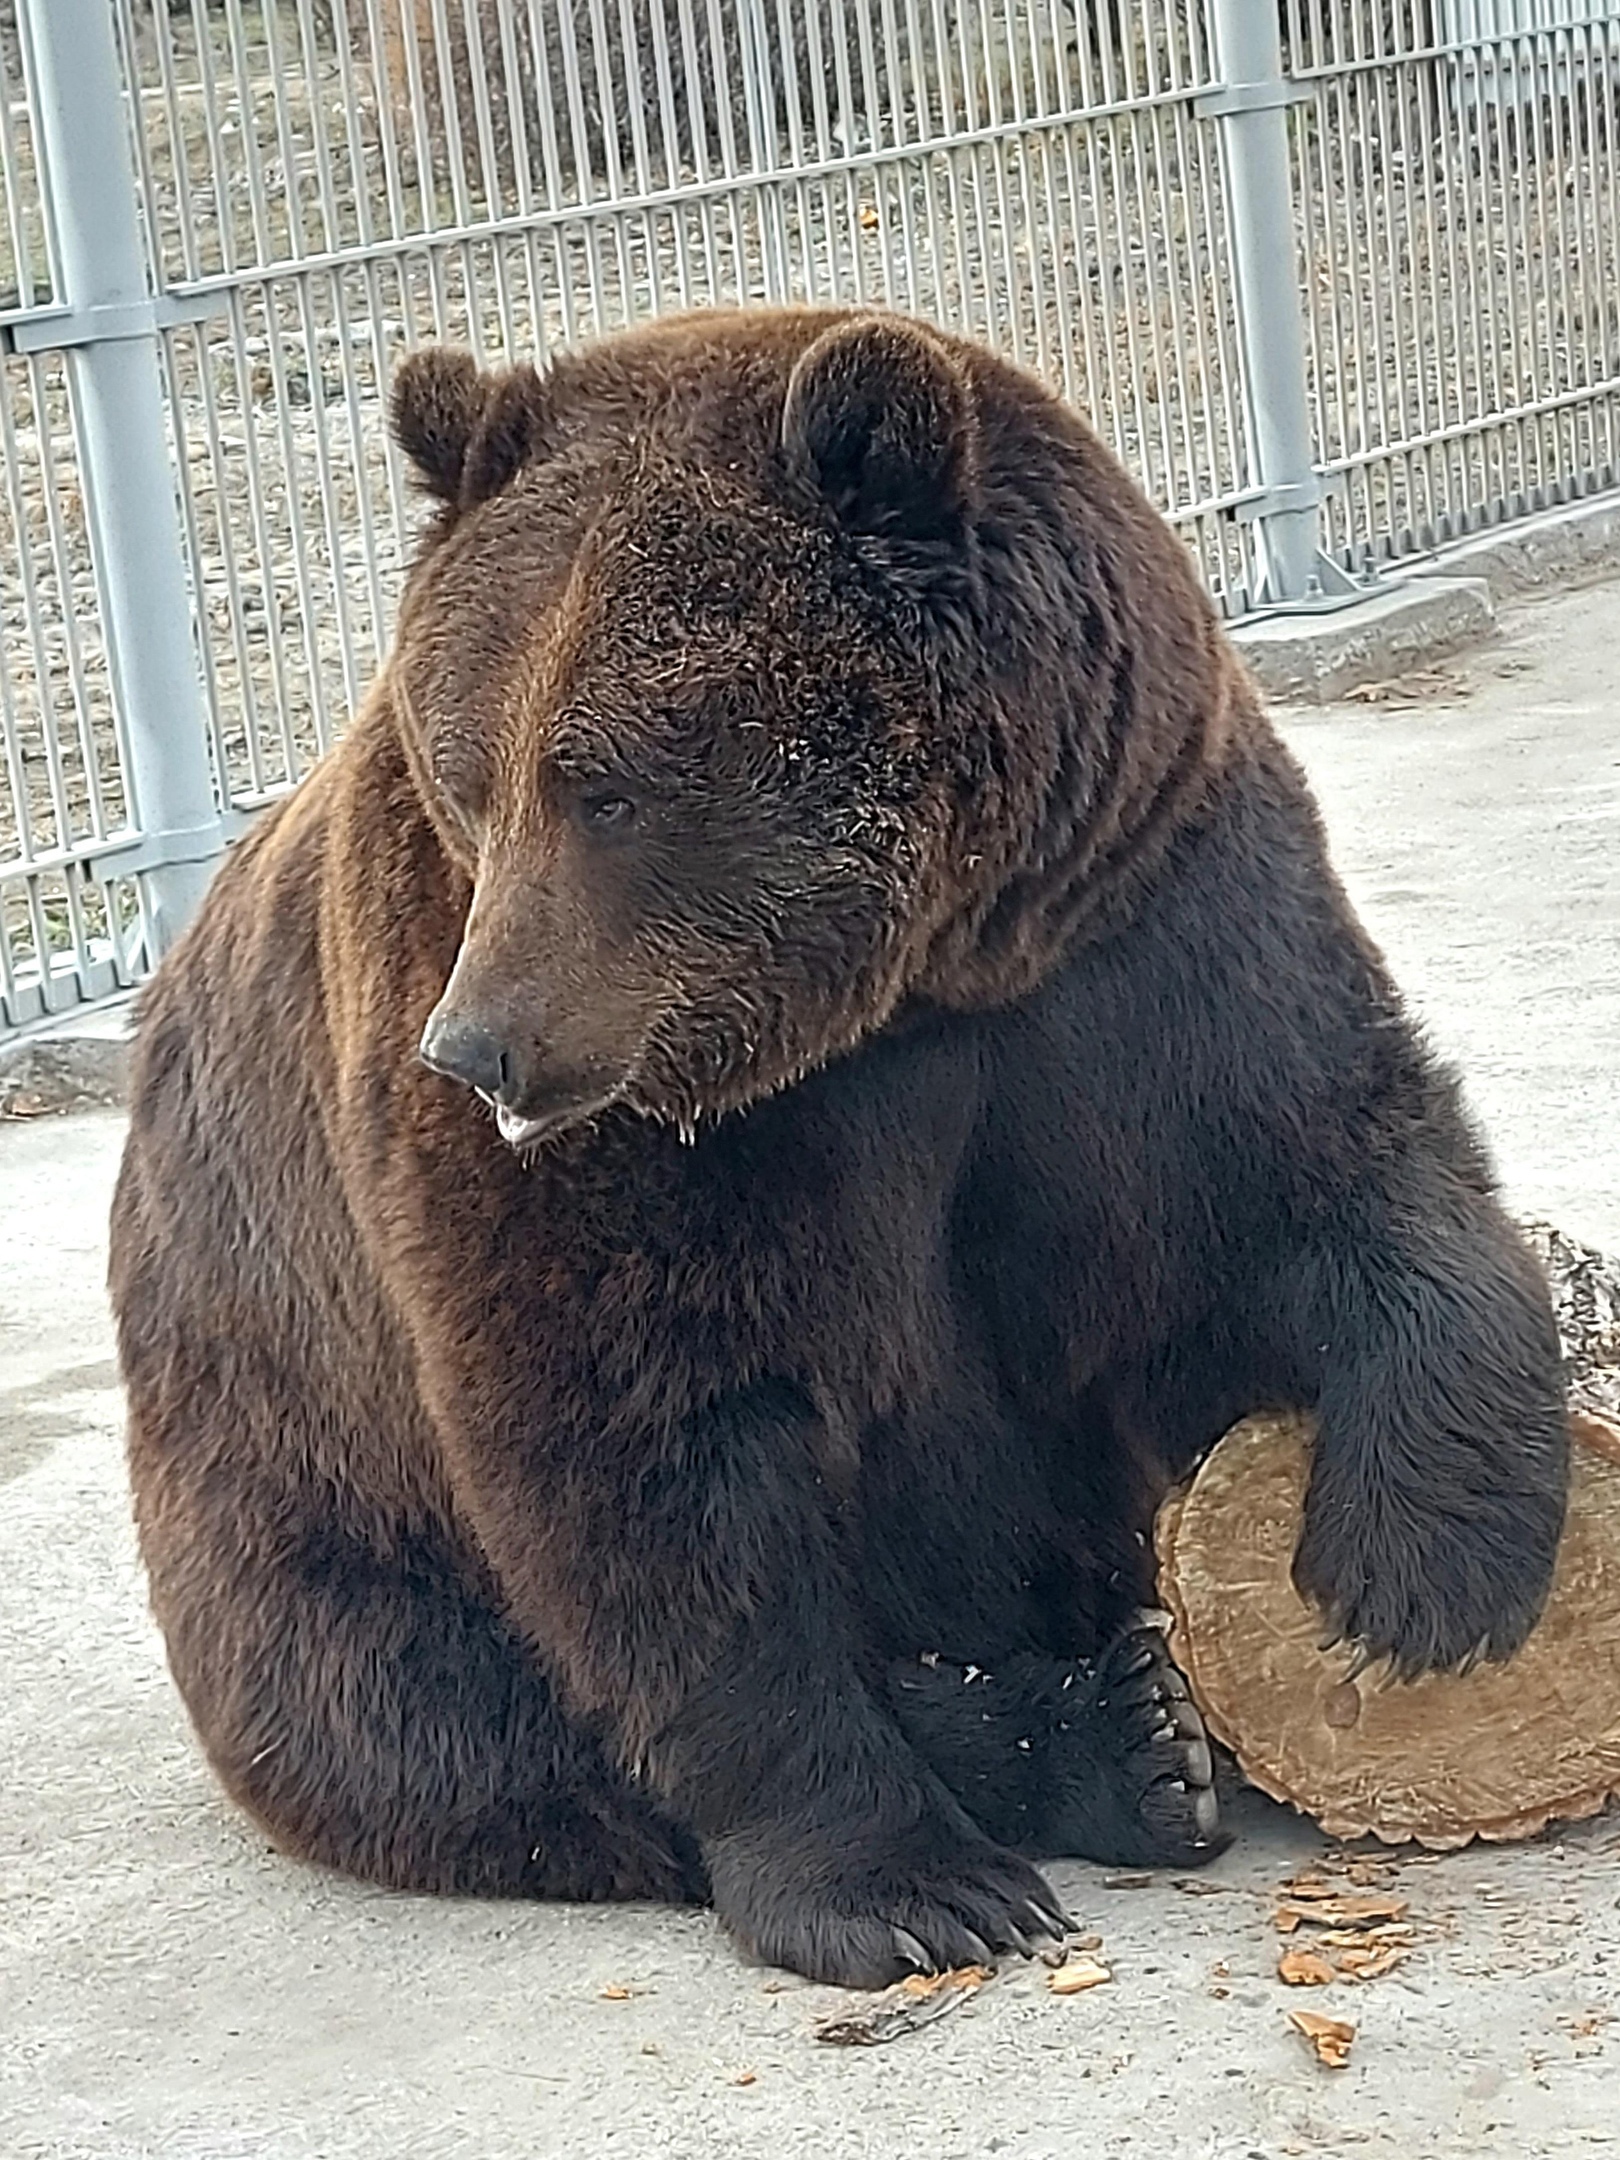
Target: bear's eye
607, 812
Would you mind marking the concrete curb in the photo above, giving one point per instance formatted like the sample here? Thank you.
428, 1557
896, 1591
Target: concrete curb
1566, 547
1433, 607
1407, 624
76, 1064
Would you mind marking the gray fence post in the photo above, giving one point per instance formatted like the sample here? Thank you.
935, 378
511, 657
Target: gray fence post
1251, 107
107, 322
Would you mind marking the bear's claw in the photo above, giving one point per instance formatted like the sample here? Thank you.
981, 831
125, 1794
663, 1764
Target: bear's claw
1133, 1765
865, 1918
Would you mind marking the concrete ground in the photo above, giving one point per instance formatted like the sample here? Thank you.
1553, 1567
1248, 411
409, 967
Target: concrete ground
172, 1990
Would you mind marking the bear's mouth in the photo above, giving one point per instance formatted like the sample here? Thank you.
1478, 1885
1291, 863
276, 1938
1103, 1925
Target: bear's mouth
518, 1131
521, 1129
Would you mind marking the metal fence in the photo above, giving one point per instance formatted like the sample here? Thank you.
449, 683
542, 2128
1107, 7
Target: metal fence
1338, 279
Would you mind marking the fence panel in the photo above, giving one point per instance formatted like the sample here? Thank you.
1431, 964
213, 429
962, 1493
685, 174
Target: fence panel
71, 924
348, 177
1457, 177
325, 183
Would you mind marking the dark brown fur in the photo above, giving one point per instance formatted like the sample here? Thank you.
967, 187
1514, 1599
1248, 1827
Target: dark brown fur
810, 793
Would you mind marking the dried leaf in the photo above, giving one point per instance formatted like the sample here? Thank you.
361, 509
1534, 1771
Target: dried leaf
1329, 2038
1412, 689
1303, 1968
906, 2007
1077, 1976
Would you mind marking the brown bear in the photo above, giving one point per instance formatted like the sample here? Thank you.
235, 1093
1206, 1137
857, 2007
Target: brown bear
691, 1189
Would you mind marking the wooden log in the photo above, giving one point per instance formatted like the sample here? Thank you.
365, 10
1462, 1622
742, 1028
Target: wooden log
1495, 1753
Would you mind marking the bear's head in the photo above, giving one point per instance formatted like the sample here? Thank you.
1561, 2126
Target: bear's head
667, 673
715, 682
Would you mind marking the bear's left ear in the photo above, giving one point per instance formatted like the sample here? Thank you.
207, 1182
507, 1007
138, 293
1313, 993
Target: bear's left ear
879, 420
468, 434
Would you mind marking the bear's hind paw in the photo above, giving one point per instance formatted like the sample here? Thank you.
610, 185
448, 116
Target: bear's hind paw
1132, 1771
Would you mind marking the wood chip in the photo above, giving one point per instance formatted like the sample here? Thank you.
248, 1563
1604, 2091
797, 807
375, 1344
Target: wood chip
1339, 1909
1077, 1976
1303, 1968
1060, 1953
904, 2008
1329, 2038
1369, 1964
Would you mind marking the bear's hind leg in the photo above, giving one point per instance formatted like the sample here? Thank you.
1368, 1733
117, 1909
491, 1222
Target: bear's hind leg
377, 1718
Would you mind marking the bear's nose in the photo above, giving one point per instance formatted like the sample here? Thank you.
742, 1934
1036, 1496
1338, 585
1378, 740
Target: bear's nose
464, 1051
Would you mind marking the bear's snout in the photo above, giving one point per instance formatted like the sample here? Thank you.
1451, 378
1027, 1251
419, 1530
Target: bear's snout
532, 1090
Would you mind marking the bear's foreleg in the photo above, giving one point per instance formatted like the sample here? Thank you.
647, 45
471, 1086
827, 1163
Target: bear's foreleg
690, 1592
1425, 1338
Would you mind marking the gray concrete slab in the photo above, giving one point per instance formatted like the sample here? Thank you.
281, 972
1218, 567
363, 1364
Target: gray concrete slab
169, 1990
1570, 545
1401, 624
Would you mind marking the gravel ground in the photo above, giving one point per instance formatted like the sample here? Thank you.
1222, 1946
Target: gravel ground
172, 1991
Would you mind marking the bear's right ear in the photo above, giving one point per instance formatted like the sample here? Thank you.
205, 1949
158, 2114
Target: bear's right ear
466, 433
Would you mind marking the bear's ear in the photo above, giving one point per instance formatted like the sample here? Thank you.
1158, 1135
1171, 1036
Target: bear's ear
438, 398
468, 434
878, 419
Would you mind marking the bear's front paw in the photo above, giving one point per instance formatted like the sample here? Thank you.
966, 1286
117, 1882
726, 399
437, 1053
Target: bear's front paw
1434, 1582
1130, 1770
866, 1909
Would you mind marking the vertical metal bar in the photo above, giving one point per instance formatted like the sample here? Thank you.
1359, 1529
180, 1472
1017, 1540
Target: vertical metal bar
1259, 193
129, 480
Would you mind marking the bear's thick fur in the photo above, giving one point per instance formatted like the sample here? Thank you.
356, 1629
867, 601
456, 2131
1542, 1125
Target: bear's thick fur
938, 1084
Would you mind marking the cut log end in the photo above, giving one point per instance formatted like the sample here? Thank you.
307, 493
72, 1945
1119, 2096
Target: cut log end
1497, 1753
